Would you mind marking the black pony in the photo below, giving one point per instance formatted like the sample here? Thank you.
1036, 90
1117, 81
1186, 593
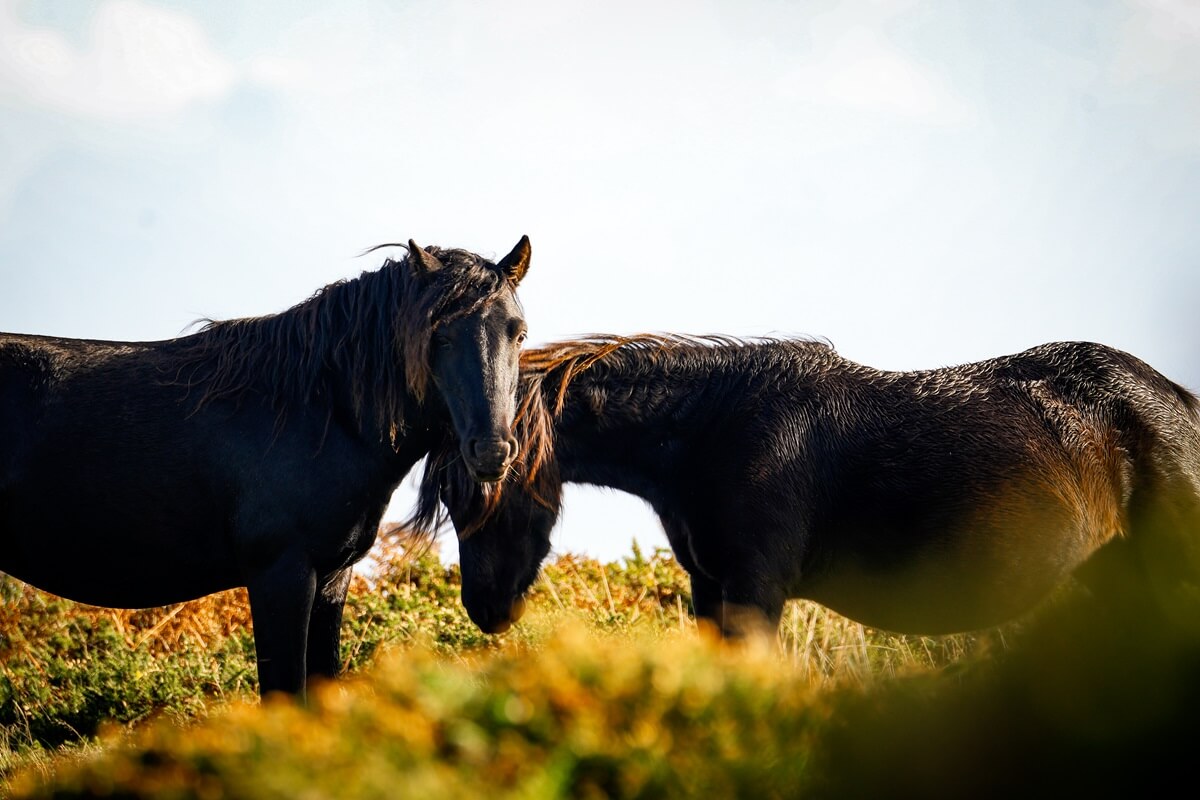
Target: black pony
918, 502
256, 452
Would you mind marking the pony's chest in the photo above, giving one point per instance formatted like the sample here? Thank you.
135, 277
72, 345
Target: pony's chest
347, 548
360, 540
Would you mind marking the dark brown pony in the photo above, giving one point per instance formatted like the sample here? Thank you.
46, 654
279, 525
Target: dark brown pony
923, 502
257, 452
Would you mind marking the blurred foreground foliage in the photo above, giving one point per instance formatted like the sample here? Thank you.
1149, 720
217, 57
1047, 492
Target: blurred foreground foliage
605, 690
586, 717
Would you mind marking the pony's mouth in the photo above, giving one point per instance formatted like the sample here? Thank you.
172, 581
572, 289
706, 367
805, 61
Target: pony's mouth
489, 461
487, 474
502, 623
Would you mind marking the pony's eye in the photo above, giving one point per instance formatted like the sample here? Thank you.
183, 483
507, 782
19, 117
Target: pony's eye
441, 342
516, 330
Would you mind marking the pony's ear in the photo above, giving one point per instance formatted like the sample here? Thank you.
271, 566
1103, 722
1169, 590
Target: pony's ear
516, 263
421, 261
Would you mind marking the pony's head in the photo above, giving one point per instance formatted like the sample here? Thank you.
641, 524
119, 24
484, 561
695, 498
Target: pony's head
500, 556
464, 338
504, 528
439, 330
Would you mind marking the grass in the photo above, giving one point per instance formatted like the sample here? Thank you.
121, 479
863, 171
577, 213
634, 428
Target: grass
605, 690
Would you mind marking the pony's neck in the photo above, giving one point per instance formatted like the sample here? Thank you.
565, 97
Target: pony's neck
631, 421
339, 349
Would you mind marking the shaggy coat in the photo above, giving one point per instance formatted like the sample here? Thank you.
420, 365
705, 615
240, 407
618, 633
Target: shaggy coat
256, 452
927, 502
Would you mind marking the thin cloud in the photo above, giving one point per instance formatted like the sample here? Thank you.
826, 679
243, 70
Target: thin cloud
1160, 39
140, 62
1158, 62
861, 71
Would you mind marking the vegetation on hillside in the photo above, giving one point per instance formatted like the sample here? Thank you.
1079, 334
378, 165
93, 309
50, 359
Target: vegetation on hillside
605, 690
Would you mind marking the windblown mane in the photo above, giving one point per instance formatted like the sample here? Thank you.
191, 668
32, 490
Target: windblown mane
371, 333
546, 374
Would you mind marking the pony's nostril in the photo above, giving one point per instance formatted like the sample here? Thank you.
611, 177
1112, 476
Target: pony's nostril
494, 454
513, 447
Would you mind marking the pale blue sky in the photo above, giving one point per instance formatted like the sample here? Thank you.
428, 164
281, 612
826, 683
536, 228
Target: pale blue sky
922, 183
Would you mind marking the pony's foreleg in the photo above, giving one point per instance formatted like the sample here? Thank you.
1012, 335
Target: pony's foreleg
732, 589
706, 603
706, 592
325, 626
750, 606
281, 602
735, 614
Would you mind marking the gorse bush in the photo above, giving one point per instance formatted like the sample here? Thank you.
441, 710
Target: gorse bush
667, 713
66, 667
589, 717
638, 706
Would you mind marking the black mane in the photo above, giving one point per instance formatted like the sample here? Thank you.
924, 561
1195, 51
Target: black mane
374, 330
546, 374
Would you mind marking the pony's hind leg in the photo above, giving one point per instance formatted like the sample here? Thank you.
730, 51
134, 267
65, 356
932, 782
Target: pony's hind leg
1154, 571
325, 626
1168, 546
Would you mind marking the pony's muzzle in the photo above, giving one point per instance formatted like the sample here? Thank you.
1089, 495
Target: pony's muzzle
489, 622
489, 458
518, 610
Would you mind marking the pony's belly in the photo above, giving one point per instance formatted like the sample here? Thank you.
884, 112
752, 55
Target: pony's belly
112, 590
122, 563
955, 581
994, 554
928, 608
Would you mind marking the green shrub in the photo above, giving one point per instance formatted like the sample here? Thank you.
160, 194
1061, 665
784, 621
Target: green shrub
589, 716
68, 668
